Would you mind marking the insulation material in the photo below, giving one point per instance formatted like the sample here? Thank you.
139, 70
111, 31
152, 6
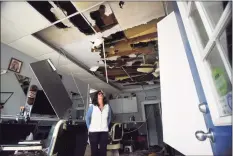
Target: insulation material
121, 78
137, 13
143, 29
145, 70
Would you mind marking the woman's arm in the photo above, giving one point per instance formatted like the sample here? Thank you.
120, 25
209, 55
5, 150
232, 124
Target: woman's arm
109, 115
88, 116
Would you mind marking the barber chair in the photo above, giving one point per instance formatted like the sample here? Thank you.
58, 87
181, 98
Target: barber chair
68, 139
63, 140
115, 136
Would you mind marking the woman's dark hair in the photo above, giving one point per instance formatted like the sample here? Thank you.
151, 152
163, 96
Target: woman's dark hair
95, 99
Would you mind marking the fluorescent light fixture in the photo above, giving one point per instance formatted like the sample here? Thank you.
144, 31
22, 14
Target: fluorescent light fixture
51, 64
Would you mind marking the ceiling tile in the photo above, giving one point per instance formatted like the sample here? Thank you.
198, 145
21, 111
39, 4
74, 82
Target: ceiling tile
31, 46
57, 59
25, 17
73, 67
9, 31
60, 37
137, 13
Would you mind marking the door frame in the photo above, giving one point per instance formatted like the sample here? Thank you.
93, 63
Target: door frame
149, 102
144, 118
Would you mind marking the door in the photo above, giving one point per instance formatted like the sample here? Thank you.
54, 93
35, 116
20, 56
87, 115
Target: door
151, 124
154, 124
182, 92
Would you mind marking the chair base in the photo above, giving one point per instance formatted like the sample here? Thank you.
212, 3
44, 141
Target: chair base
113, 146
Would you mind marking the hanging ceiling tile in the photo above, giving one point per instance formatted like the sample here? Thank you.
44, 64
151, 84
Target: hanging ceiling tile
81, 50
59, 37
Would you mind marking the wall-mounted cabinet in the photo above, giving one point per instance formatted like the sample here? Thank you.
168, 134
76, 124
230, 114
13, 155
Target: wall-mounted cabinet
124, 105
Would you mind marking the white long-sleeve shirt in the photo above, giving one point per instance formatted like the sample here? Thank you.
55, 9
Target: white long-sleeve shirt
97, 120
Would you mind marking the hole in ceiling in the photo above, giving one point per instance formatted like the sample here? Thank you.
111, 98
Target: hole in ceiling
44, 8
102, 21
59, 11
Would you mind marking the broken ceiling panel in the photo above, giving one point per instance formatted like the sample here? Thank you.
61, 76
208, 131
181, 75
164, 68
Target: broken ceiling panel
44, 8
142, 29
81, 50
101, 17
58, 10
60, 37
137, 13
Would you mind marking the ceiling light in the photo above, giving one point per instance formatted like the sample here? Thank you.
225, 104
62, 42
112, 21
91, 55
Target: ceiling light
51, 64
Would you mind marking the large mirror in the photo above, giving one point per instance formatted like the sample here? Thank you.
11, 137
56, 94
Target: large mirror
24, 82
14, 89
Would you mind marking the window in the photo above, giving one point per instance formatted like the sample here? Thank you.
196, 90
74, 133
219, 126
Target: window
214, 11
211, 26
199, 26
226, 42
220, 80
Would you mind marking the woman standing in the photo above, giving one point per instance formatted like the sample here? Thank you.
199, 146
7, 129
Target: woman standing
98, 118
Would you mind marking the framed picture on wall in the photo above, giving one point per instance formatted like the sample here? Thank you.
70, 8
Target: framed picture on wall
15, 65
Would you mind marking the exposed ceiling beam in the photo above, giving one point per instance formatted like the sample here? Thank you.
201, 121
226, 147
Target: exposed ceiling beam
138, 89
128, 52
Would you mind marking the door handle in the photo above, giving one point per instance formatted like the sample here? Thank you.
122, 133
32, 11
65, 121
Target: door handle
202, 136
203, 108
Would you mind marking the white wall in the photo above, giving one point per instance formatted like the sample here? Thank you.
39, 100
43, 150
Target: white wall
140, 97
9, 83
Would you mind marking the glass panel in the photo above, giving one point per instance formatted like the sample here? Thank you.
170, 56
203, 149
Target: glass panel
214, 11
199, 26
221, 82
226, 41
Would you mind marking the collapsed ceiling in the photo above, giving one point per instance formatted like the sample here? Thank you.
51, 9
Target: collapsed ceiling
124, 35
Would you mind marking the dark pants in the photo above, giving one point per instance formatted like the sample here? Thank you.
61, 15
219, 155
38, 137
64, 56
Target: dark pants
101, 139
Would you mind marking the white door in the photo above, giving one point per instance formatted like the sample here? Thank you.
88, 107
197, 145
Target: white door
179, 99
